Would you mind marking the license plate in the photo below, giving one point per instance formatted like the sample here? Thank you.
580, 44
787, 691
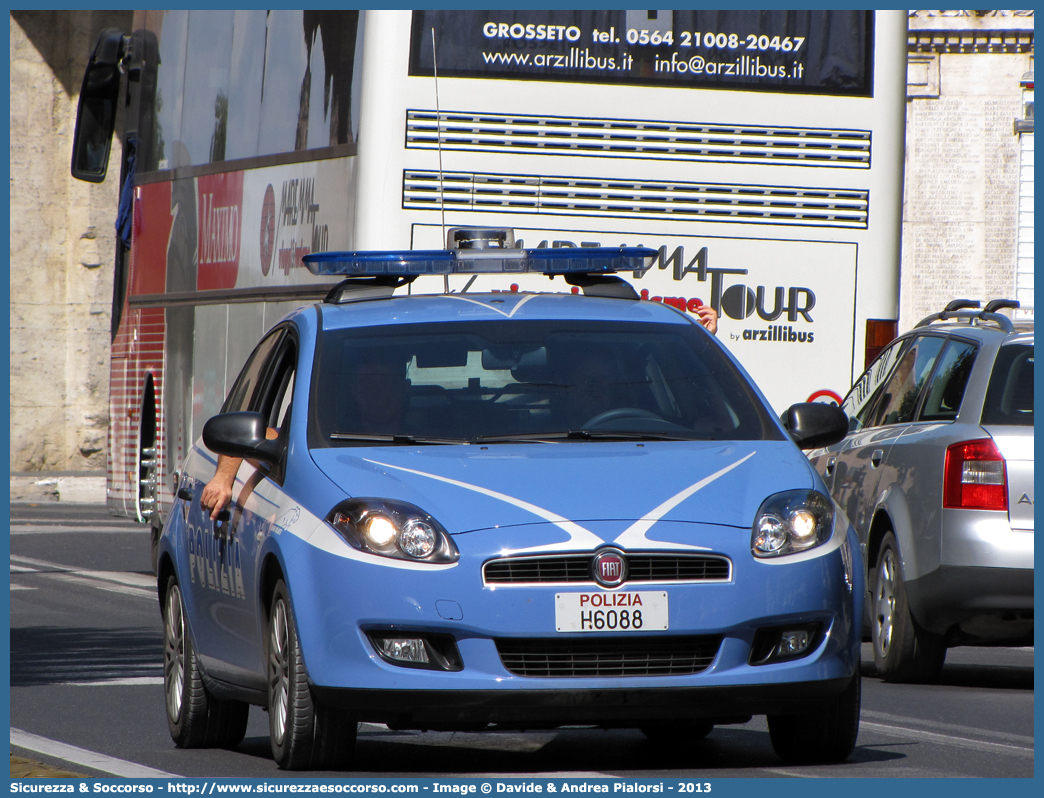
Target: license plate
611, 612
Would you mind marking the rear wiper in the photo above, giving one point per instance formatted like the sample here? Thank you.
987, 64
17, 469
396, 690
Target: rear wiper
395, 440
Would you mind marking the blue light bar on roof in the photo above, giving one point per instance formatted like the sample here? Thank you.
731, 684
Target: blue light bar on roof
406, 263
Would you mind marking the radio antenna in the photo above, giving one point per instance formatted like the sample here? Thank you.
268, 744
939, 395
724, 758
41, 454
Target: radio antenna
438, 129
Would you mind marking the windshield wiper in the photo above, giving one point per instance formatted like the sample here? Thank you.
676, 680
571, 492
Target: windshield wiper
522, 437
395, 440
627, 435
582, 435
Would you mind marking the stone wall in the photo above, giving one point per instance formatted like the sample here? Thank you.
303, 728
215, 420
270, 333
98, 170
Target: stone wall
62, 251
960, 214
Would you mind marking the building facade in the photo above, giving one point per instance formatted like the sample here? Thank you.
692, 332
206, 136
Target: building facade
968, 207
62, 251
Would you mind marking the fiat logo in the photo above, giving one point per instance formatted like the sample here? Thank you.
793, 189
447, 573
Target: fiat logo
610, 568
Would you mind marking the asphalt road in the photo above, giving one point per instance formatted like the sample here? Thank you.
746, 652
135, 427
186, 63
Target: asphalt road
87, 693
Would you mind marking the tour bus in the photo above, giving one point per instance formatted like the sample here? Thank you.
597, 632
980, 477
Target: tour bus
760, 153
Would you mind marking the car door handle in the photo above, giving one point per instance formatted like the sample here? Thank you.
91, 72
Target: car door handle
831, 464
876, 457
221, 525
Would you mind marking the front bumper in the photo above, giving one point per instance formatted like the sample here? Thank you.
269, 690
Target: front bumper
462, 709
335, 613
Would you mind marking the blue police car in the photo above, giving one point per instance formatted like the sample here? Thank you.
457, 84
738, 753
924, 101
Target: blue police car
506, 510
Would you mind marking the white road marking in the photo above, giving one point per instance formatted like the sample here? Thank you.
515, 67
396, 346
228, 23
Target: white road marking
131, 681
130, 584
21, 587
109, 587
794, 775
906, 722
21, 569
51, 529
949, 739
81, 756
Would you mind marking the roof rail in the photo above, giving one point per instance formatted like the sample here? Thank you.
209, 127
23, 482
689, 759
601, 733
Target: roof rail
960, 304
997, 304
955, 311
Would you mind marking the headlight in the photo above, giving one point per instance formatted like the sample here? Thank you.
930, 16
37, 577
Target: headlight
792, 521
393, 529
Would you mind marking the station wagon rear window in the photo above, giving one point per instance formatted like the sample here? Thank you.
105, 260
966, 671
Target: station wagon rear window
1009, 398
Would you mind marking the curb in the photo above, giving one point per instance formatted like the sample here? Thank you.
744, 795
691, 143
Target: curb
22, 768
86, 488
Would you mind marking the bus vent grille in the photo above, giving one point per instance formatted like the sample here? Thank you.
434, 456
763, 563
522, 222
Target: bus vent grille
636, 199
632, 138
608, 656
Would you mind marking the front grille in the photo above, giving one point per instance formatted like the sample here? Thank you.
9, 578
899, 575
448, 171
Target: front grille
613, 656
634, 199
637, 138
576, 568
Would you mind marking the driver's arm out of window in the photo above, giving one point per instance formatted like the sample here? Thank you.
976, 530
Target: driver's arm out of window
217, 493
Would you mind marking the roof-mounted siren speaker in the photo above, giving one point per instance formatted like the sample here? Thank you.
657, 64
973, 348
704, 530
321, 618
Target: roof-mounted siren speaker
458, 238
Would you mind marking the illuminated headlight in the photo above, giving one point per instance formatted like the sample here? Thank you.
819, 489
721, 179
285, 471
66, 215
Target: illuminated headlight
792, 521
393, 529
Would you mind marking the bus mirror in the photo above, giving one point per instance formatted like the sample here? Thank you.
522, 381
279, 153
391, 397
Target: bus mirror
814, 424
240, 434
96, 112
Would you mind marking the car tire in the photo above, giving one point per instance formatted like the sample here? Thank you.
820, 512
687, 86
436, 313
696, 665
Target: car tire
828, 736
305, 734
903, 652
677, 730
196, 719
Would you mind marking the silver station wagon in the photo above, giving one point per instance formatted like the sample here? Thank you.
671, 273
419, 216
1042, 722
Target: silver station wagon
936, 475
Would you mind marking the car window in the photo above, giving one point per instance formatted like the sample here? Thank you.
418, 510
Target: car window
946, 389
274, 403
1009, 397
861, 400
245, 386
898, 401
530, 378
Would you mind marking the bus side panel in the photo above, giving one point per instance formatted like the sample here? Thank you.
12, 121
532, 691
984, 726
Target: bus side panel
137, 351
137, 357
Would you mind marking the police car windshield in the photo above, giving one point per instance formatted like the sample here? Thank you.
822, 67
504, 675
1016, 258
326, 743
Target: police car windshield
525, 380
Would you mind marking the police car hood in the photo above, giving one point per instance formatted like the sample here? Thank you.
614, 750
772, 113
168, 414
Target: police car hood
471, 488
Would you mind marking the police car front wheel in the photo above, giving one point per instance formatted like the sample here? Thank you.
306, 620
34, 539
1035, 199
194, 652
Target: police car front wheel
305, 734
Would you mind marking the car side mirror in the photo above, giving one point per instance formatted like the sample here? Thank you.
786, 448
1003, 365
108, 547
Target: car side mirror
241, 434
815, 424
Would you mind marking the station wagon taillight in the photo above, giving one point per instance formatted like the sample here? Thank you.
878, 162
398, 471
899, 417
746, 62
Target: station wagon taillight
975, 476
